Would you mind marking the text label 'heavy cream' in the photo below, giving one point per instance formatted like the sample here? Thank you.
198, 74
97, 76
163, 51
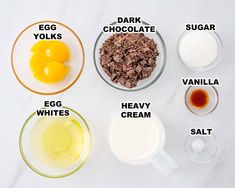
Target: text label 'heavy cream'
135, 110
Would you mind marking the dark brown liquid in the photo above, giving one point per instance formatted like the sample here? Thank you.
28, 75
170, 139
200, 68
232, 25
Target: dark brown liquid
199, 98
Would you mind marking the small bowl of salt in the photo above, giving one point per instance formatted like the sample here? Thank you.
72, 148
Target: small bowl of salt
201, 149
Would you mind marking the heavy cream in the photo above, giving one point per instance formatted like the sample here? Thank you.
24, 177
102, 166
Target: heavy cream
134, 140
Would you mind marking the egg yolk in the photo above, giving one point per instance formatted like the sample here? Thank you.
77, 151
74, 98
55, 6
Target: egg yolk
55, 71
37, 62
40, 46
58, 51
48, 61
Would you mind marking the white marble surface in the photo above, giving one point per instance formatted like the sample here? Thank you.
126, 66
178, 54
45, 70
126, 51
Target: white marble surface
96, 100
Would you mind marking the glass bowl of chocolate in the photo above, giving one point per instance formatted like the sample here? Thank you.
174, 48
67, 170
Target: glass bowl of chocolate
129, 61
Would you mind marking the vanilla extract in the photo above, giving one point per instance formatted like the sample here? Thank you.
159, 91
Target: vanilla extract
200, 81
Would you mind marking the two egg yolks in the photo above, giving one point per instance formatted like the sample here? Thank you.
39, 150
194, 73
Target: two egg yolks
48, 61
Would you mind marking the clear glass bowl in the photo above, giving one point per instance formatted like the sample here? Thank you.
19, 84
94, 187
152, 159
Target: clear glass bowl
212, 103
142, 84
212, 64
42, 169
206, 148
21, 54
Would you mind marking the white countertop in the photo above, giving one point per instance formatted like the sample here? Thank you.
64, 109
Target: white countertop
94, 99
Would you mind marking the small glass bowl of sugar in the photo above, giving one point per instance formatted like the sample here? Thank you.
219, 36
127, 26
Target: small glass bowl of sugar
200, 50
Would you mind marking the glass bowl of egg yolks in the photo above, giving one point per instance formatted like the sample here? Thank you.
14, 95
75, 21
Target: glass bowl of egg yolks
44, 151
47, 66
49, 59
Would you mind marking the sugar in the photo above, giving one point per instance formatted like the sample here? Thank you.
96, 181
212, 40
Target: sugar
198, 49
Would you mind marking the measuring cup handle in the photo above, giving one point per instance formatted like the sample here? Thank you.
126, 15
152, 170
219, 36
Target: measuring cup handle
163, 162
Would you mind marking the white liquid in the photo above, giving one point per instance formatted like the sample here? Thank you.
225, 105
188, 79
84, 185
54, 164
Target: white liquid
135, 140
198, 49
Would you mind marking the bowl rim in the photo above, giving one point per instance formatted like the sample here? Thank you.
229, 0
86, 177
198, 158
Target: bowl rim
23, 155
12, 58
140, 88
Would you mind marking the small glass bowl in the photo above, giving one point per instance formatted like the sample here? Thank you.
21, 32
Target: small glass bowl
212, 64
142, 84
212, 103
201, 155
42, 169
21, 54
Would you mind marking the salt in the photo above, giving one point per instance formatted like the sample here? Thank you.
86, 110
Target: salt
198, 145
198, 49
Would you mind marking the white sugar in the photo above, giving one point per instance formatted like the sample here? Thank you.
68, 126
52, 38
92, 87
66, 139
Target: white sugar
198, 49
